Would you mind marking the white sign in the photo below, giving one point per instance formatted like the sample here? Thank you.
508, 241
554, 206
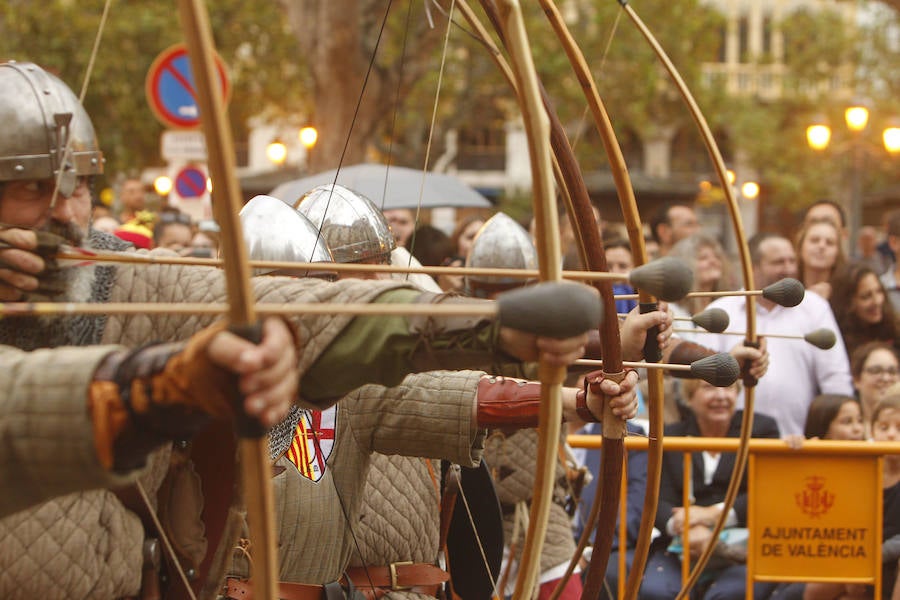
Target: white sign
183, 145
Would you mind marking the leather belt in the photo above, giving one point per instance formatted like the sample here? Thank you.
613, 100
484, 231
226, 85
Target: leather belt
372, 582
240, 589
421, 578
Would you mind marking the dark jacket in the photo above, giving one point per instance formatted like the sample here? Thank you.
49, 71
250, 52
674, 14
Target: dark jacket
671, 489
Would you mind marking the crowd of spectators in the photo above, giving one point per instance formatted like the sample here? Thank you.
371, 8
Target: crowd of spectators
809, 392
846, 392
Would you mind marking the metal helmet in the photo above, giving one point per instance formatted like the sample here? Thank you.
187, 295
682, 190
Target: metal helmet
41, 117
276, 232
500, 243
354, 228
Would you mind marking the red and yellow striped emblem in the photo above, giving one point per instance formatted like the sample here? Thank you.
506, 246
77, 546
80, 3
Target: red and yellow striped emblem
312, 442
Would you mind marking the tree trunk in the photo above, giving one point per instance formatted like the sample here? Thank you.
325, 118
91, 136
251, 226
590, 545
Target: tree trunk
339, 37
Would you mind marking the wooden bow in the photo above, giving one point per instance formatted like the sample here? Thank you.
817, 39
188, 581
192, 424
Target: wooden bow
588, 237
537, 129
743, 452
255, 469
605, 509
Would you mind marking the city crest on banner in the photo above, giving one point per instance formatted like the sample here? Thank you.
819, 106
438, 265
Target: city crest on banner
313, 442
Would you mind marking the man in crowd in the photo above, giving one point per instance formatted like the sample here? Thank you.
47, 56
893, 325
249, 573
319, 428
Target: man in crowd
672, 223
131, 199
402, 222
828, 210
173, 230
798, 371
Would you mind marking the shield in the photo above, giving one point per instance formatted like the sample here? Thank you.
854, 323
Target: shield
390, 187
313, 441
468, 577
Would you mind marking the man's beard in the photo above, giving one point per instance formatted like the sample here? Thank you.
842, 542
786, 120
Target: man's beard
70, 232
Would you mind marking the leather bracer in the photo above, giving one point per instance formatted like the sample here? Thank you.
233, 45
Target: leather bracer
508, 403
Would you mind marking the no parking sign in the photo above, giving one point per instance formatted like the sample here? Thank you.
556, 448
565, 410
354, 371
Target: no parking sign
170, 88
190, 183
189, 192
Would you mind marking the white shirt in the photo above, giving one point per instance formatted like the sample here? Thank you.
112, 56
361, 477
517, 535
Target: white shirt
798, 371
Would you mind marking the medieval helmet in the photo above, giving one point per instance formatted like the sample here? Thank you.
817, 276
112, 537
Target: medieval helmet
352, 225
500, 243
276, 232
48, 130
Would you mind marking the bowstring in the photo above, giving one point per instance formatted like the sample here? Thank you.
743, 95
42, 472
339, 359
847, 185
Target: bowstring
356, 110
429, 143
393, 128
484, 559
579, 131
67, 150
165, 540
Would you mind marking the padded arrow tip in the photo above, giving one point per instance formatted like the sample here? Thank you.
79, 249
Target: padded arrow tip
667, 278
714, 320
721, 369
786, 292
558, 310
821, 338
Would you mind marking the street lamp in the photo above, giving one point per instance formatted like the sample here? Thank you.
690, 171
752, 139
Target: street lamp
750, 190
308, 137
162, 185
276, 152
856, 118
891, 138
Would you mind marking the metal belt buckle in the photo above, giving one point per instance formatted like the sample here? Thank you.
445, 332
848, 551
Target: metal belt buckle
393, 567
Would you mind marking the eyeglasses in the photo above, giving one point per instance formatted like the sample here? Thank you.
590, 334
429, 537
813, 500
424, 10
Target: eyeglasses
877, 370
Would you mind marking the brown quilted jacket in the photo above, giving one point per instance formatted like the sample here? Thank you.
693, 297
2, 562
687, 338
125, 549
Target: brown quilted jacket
87, 545
429, 414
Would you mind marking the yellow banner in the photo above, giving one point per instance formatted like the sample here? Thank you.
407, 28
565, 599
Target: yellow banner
814, 518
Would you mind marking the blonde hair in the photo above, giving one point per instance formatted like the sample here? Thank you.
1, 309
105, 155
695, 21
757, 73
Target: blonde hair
889, 402
688, 249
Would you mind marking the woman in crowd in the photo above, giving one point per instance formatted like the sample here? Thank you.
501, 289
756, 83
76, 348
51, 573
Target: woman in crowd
713, 272
875, 367
712, 414
834, 417
464, 235
819, 254
861, 309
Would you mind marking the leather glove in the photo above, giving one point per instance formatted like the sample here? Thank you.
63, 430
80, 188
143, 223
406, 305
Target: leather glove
142, 398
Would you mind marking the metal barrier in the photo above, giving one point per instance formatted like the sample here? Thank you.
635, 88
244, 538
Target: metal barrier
688, 445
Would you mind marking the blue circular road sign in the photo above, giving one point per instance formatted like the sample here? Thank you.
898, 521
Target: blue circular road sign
190, 183
170, 88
